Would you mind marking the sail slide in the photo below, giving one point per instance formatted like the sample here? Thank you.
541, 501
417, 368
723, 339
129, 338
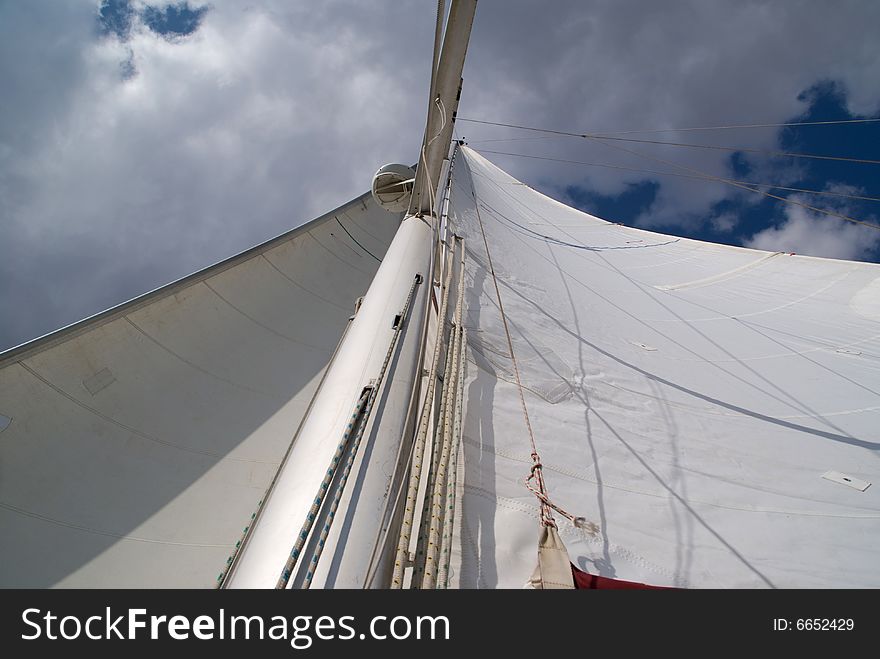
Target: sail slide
713, 412
136, 445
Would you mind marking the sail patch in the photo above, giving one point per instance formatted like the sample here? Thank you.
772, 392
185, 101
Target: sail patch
845, 479
100, 380
643, 346
714, 279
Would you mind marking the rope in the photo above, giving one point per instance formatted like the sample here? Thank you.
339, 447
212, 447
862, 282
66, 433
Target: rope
382, 532
450, 387
400, 558
452, 482
535, 480
319, 497
373, 393
231, 559
221, 578
687, 176
325, 530
689, 129
769, 152
432, 197
609, 136
536, 473
436, 439
732, 126
438, 38
364, 404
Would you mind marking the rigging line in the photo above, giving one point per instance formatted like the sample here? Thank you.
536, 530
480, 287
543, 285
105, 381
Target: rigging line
374, 388
323, 488
516, 139
689, 176
746, 187
734, 126
536, 474
432, 194
356, 240
412, 409
435, 446
726, 127
415, 474
452, 480
356, 426
599, 136
442, 108
438, 37
769, 152
431, 199
438, 495
537, 130
438, 33
432, 91
536, 471
409, 430
233, 558
340, 488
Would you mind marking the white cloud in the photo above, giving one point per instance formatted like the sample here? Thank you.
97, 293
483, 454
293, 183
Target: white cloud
630, 64
724, 222
816, 234
264, 118
274, 112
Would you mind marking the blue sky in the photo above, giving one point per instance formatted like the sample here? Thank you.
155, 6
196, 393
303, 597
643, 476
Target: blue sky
176, 20
742, 218
142, 140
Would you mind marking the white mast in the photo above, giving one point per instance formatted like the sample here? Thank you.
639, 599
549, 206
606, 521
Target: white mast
347, 547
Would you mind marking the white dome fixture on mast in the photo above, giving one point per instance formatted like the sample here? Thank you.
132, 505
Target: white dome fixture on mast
392, 187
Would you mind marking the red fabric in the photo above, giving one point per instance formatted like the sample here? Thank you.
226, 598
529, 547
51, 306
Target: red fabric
587, 581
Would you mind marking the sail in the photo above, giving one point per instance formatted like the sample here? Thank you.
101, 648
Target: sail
688, 414
711, 411
136, 445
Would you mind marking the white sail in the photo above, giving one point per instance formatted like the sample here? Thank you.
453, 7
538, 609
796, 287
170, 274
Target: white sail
692, 400
136, 445
701, 415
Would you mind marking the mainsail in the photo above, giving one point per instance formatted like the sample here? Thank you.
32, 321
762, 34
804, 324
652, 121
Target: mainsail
385, 400
138, 443
703, 405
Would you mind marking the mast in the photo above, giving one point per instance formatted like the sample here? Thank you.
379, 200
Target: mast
443, 103
318, 524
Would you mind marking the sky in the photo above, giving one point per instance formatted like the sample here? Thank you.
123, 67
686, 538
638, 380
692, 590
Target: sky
142, 141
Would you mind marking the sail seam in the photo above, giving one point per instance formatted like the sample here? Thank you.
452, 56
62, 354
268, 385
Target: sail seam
356, 242
195, 366
263, 325
298, 285
135, 431
111, 534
